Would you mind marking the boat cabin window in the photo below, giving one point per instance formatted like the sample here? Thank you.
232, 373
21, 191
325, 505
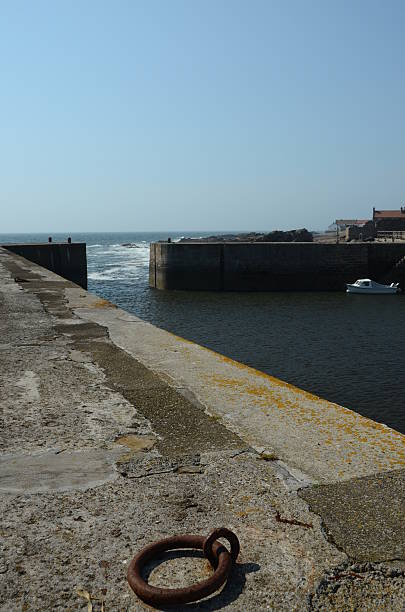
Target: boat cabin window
365, 284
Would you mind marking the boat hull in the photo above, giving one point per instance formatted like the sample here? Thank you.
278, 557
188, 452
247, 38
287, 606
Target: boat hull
372, 290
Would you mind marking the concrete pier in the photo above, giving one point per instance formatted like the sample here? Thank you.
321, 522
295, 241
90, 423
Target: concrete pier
272, 266
116, 433
68, 259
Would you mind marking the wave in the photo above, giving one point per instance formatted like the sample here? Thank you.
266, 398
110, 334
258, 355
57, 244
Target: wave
119, 248
98, 276
93, 246
106, 275
126, 270
116, 262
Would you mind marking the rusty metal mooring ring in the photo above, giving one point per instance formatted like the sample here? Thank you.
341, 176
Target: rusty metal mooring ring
220, 558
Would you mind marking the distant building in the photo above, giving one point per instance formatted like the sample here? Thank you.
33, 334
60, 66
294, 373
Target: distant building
342, 224
389, 220
365, 231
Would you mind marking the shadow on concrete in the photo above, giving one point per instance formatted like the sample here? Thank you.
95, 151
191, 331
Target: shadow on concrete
230, 592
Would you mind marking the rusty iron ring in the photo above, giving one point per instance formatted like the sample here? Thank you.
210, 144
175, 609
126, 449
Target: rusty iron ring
222, 532
219, 557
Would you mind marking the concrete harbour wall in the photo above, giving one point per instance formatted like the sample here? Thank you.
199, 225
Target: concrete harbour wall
269, 266
65, 259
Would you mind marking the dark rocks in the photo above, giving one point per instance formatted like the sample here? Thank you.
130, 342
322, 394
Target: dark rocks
297, 235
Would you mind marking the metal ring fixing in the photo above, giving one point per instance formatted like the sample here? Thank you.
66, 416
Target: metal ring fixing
219, 557
222, 532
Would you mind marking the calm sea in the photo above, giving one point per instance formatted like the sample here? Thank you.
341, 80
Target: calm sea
346, 348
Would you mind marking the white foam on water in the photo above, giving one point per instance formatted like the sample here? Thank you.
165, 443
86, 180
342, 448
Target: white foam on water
115, 262
97, 276
98, 253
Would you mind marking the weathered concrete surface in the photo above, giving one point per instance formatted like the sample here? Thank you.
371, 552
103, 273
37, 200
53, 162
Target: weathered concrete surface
324, 441
55, 470
365, 516
163, 465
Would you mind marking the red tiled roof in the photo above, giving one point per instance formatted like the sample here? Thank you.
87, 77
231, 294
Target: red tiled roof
389, 214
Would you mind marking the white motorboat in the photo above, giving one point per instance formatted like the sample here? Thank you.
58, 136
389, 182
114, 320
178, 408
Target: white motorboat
366, 285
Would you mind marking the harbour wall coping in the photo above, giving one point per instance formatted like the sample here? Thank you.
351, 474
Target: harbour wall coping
319, 440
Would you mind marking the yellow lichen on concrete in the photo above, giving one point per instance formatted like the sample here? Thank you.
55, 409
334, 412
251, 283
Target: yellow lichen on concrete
102, 304
336, 424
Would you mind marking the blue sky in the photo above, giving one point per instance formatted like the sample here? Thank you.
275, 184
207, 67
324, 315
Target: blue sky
199, 114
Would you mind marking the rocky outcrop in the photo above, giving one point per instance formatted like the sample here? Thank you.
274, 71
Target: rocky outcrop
297, 235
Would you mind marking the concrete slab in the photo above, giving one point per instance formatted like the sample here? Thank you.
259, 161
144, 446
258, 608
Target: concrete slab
56, 470
173, 414
365, 517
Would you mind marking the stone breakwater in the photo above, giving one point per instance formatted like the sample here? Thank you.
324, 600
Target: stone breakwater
116, 433
272, 266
